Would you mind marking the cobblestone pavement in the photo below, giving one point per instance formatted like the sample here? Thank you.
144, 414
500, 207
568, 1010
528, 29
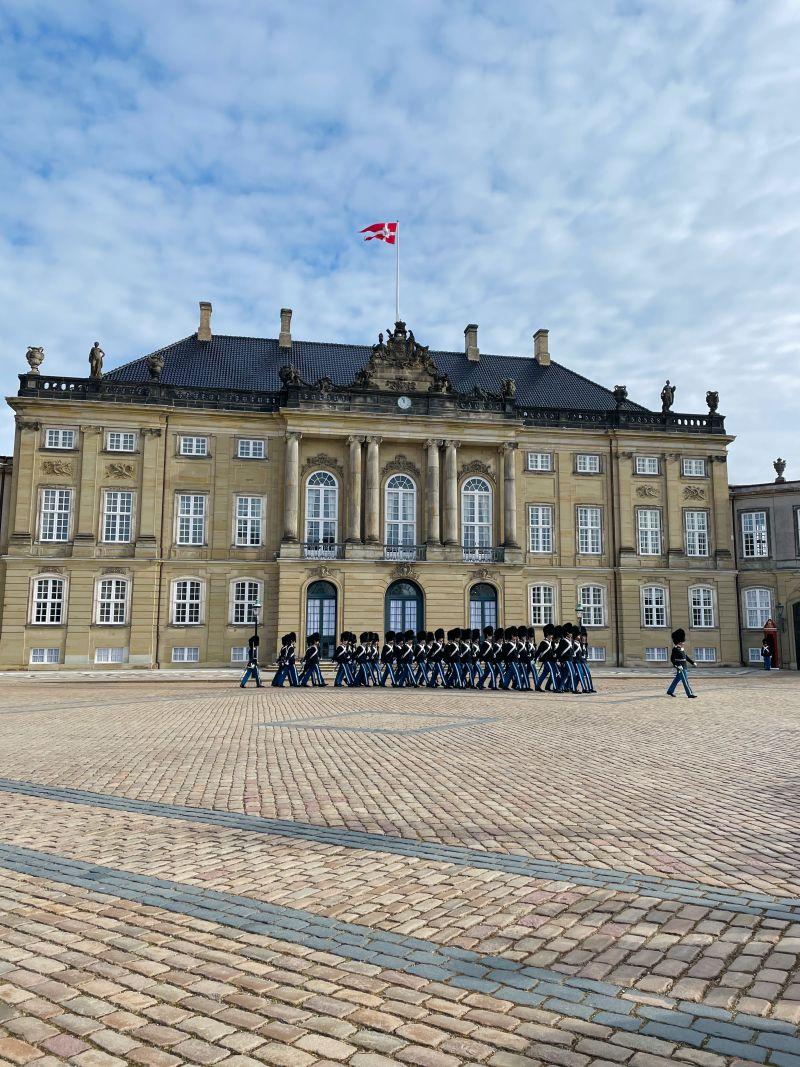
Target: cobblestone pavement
190, 873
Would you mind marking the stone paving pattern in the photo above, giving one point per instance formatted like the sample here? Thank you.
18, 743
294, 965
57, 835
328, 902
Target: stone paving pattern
195, 874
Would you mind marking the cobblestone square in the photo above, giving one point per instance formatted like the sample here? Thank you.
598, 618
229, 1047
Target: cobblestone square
192, 873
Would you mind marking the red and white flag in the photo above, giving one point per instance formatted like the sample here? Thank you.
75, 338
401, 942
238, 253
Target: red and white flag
381, 231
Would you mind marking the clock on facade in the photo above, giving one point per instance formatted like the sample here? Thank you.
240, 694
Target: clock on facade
404, 402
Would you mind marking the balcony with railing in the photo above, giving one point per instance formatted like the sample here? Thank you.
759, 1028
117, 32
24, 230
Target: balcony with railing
323, 550
483, 554
404, 553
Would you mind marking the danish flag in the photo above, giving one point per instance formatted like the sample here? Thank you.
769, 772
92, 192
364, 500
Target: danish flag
381, 231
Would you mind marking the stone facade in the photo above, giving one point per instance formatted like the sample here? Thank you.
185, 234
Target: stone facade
124, 534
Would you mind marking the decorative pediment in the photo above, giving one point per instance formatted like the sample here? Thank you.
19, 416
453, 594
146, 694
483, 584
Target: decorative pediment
647, 491
120, 470
401, 365
400, 465
693, 492
404, 570
58, 467
477, 466
322, 459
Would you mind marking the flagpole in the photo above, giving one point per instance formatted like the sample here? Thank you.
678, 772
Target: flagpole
397, 273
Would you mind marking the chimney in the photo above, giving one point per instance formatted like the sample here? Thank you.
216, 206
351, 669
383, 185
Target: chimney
285, 338
204, 329
471, 343
540, 350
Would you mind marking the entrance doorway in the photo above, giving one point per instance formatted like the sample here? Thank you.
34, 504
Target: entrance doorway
482, 606
321, 615
403, 607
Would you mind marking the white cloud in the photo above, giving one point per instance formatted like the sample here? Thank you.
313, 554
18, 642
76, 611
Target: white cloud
626, 175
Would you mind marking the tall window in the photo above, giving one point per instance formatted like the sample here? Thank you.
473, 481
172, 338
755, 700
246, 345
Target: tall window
322, 508
249, 511
757, 607
590, 538
121, 441
55, 517
754, 533
191, 519
543, 599
648, 527
696, 530
647, 464
246, 595
654, 605
482, 606
592, 601
401, 511
701, 605
117, 515
476, 513
193, 446
540, 524
48, 601
187, 601
112, 601
59, 438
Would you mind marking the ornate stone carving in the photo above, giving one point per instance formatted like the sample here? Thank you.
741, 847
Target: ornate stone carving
59, 467
114, 570
85, 430
693, 492
712, 399
322, 459
96, 357
620, 394
401, 464
780, 467
667, 397
646, 491
120, 470
482, 574
508, 388
476, 466
28, 424
404, 570
35, 358
289, 375
320, 572
150, 431
400, 364
155, 365
324, 385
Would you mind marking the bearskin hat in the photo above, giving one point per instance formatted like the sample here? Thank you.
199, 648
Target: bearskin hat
678, 636
439, 633
488, 631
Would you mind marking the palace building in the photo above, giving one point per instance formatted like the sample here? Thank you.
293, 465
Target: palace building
155, 508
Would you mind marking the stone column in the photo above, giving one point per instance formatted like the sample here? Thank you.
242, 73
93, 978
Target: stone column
372, 515
354, 491
291, 488
451, 493
510, 496
432, 491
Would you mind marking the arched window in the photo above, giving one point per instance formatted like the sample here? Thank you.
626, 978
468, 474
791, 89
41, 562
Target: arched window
321, 615
543, 604
401, 517
701, 606
592, 601
757, 608
187, 602
245, 595
111, 602
482, 606
476, 519
654, 605
403, 607
48, 600
322, 508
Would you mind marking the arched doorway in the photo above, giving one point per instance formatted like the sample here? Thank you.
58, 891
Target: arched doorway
321, 615
403, 608
482, 606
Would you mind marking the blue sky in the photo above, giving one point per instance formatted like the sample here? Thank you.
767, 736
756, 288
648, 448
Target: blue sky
626, 175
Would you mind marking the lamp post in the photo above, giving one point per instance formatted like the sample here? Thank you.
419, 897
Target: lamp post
579, 613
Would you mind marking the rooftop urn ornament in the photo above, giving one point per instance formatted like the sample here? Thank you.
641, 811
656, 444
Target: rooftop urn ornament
780, 467
96, 356
712, 399
667, 397
35, 358
155, 365
620, 394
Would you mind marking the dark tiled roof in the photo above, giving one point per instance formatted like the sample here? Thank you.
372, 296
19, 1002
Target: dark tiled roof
252, 364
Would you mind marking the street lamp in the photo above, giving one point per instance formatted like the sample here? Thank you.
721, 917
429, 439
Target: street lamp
579, 613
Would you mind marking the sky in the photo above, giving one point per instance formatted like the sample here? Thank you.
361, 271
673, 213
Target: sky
624, 174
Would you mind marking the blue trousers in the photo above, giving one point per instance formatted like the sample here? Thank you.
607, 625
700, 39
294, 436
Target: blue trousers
421, 677
553, 678
388, 672
289, 670
436, 675
343, 675
251, 672
680, 676
767, 663
314, 673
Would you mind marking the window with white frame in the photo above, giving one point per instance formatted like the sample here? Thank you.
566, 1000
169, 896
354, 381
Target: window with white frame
322, 508
193, 446
543, 600
187, 602
701, 606
47, 605
401, 511
246, 596
117, 515
754, 534
45, 655
239, 654
56, 515
184, 654
705, 655
120, 441
476, 514
592, 601
695, 525
540, 461
249, 514
57, 438
191, 525
648, 531
656, 655
757, 608
587, 463
110, 655
754, 655
596, 654
646, 465
540, 526
654, 605
112, 602
250, 448
693, 468
590, 527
